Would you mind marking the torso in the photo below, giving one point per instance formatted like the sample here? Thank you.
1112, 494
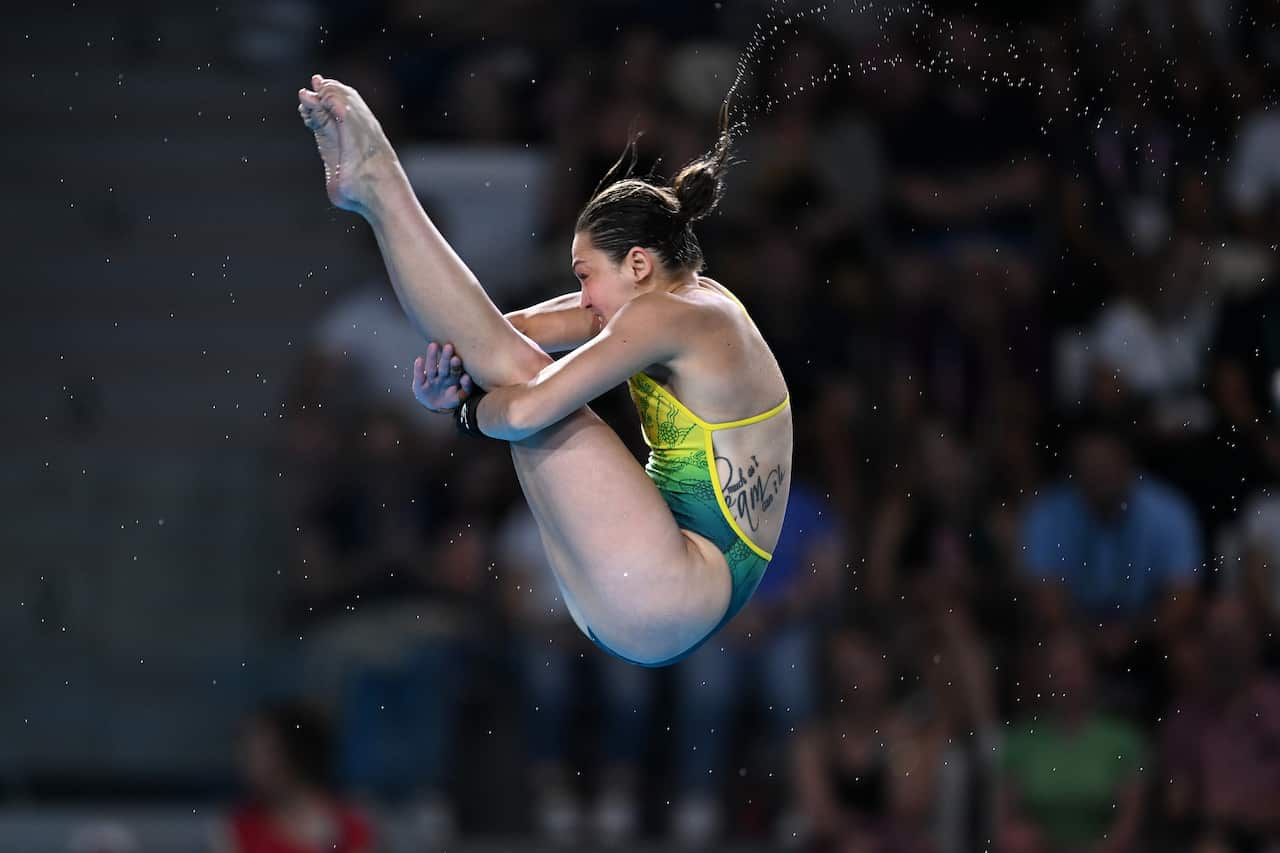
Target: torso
729, 374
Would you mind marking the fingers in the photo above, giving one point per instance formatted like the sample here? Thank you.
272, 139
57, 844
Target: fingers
432, 361
419, 373
440, 360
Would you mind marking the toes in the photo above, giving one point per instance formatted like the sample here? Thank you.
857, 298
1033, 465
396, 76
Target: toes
316, 118
331, 107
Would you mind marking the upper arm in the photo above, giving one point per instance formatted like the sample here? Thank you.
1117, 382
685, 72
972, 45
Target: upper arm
556, 324
648, 330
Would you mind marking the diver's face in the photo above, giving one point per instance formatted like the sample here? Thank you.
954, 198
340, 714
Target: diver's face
606, 286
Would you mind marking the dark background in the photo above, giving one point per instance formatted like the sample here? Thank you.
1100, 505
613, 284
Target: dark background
1018, 267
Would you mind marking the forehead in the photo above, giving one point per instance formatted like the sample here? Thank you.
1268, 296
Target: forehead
582, 248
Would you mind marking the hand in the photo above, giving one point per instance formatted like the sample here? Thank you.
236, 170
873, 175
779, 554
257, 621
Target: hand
439, 382
351, 142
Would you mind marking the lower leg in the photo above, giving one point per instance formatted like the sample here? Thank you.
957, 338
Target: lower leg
441, 296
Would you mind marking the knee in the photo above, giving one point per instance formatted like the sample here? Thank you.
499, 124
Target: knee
523, 364
530, 362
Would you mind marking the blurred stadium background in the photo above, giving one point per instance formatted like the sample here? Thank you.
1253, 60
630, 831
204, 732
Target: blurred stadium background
1029, 594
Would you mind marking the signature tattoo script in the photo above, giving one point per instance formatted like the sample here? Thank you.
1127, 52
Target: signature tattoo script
748, 492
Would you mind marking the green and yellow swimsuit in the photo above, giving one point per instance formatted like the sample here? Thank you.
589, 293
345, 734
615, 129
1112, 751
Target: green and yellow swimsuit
682, 466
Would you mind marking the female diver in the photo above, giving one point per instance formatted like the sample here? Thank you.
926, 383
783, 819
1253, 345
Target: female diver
652, 560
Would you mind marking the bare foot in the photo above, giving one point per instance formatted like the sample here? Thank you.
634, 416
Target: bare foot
351, 142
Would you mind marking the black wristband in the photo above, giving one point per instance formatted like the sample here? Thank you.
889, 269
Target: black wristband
465, 418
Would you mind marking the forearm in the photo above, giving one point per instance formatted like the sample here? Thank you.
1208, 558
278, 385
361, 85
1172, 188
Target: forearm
497, 415
515, 412
558, 324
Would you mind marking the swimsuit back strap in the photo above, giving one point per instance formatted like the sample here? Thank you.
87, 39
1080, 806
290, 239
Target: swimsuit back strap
754, 419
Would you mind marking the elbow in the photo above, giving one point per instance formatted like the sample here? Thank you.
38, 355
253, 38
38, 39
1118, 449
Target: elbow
515, 421
516, 319
523, 419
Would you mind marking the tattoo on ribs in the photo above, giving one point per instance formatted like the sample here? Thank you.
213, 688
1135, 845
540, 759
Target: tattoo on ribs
748, 491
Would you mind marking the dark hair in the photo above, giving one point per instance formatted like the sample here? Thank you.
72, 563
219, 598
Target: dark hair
303, 735
625, 211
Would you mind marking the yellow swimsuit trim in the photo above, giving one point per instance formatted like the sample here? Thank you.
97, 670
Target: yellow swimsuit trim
710, 428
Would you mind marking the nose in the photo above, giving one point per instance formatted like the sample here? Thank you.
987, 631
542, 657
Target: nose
585, 301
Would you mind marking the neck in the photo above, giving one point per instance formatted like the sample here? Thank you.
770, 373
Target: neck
667, 283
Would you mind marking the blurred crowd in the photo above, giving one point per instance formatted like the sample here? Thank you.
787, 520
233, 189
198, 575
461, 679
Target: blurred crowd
1020, 276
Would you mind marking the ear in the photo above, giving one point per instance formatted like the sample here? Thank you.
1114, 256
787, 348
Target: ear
639, 263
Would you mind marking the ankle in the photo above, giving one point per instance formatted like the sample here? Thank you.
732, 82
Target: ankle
384, 190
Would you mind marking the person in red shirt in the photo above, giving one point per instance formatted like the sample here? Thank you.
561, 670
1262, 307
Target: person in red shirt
284, 756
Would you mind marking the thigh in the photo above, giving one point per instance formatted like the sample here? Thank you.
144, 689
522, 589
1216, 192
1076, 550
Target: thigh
643, 586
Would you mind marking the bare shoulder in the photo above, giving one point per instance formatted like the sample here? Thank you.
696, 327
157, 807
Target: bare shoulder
674, 315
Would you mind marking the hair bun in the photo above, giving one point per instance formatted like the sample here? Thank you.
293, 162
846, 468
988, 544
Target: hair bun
699, 185
698, 188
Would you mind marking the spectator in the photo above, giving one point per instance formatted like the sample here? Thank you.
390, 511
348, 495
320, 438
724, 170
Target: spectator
1246, 384
771, 647
865, 771
559, 672
1150, 344
1116, 549
1219, 744
1259, 585
1149, 351
933, 528
285, 759
1253, 178
391, 633
1073, 773
984, 184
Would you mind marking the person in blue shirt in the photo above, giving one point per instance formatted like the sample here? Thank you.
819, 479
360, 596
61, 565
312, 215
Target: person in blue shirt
1112, 547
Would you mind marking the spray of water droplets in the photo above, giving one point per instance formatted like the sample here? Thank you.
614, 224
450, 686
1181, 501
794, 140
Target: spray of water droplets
941, 45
